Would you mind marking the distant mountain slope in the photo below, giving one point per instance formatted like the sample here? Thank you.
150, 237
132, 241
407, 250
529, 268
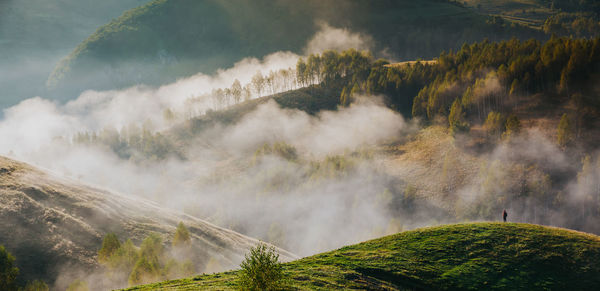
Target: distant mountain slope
36, 34
560, 17
51, 224
527, 12
310, 100
474, 256
167, 39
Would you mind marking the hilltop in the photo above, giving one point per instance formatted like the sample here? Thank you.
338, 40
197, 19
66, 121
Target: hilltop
54, 225
470, 256
166, 39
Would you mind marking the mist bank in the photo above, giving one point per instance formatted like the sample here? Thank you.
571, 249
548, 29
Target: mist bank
270, 167
336, 156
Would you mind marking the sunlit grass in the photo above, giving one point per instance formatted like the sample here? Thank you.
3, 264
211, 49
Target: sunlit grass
507, 256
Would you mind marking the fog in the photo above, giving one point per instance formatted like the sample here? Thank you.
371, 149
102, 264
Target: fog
182, 184
40, 131
307, 183
337, 39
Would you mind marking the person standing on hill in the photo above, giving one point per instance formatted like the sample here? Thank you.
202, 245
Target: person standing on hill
504, 215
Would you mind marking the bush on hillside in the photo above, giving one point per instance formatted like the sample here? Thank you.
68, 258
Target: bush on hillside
261, 269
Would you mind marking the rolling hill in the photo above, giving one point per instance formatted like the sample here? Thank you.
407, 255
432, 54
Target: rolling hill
472, 256
54, 226
166, 39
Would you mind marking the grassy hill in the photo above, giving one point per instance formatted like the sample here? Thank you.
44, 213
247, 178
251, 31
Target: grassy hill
477, 256
54, 225
167, 39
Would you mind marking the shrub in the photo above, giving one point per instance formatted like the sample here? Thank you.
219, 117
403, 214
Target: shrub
261, 269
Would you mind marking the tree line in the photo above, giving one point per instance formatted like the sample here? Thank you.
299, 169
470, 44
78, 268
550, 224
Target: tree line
126, 264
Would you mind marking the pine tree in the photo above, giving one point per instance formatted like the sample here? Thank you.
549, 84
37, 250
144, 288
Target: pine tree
355, 90
110, 244
344, 97
494, 123
456, 113
513, 126
564, 131
182, 236
456, 118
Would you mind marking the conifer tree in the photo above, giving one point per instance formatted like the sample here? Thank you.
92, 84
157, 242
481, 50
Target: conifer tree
564, 131
110, 245
513, 126
182, 236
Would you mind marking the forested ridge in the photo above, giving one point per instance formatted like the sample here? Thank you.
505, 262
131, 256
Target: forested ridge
164, 39
479, 79
485, 96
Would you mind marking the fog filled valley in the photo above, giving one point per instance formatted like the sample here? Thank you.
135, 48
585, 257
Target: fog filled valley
155, 154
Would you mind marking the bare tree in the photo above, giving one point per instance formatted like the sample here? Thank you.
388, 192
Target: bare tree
258, 83
236, 91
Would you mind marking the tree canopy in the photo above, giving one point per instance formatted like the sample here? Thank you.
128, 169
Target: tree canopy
8, 272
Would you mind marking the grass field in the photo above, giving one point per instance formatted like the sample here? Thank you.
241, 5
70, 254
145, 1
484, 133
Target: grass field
479, 256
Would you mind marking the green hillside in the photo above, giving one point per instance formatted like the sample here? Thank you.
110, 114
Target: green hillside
506, 256
166, 39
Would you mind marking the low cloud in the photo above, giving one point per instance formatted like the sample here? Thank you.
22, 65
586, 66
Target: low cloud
330, 132
332, 38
